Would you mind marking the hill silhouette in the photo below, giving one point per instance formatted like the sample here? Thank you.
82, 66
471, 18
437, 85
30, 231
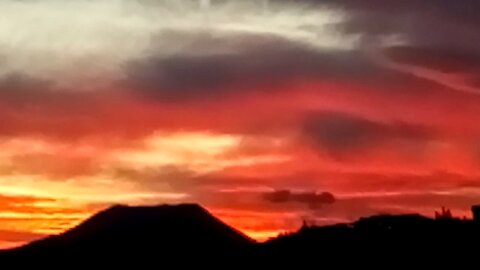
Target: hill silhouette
124, 233
188, 233
397, 237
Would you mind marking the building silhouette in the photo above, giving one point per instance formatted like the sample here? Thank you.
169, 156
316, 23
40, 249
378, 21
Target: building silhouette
476, 213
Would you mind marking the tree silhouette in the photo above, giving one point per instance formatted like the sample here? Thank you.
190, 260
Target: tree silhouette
444, 214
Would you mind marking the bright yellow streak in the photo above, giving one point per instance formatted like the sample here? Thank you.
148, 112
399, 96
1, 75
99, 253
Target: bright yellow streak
179, 149
80, 191
200, 152
43, 216
262, 235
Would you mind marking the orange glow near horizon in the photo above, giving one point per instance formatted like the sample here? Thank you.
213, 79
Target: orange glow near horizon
43, 195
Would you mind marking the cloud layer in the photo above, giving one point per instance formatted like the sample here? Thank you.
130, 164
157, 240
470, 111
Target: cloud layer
312, 199
248, 107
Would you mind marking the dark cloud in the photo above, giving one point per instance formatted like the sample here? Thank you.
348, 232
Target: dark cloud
29, 93
341, 133
434, 25
219, 65
407, 16
448, 61
314, 200
438, 34
19, 88
18, 85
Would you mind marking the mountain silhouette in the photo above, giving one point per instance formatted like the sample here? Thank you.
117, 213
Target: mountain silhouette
187, 233
125, 233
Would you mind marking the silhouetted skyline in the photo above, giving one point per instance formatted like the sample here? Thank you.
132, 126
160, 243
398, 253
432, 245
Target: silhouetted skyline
123, 234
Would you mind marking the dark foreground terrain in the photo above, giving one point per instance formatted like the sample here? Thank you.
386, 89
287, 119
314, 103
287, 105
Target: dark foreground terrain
189, 235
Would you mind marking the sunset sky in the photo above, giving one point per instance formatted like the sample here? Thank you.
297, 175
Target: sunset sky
265, 112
